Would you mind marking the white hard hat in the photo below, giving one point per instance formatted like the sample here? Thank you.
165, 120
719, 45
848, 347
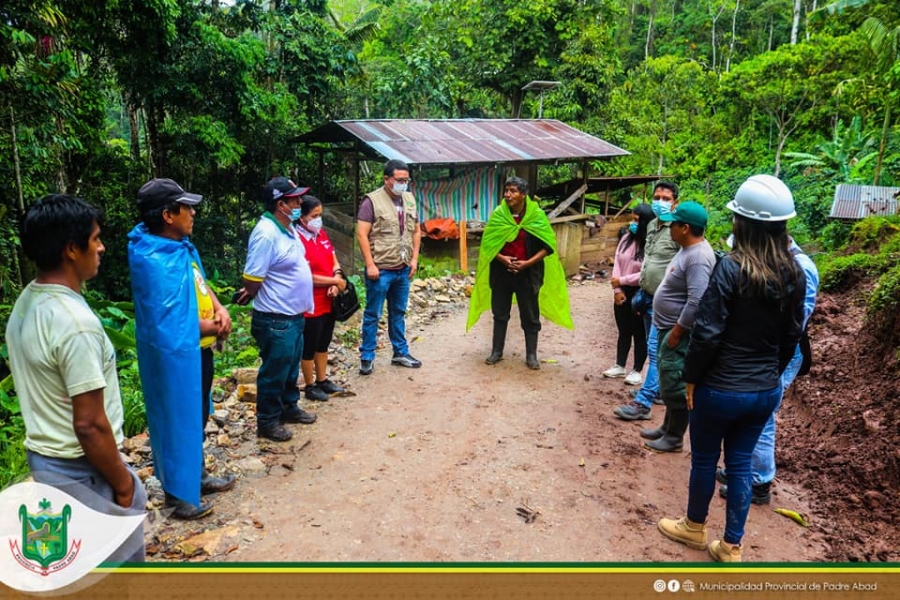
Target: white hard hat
763, 198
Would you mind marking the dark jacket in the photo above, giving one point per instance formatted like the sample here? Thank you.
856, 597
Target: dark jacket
743, 342
535, 274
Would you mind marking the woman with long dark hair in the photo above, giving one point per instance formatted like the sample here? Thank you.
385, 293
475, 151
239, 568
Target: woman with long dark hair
625, 282
748, 325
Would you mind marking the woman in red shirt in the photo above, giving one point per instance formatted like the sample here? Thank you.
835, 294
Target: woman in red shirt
328, 281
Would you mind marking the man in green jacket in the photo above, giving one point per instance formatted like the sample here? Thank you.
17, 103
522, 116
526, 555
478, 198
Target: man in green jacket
517, 259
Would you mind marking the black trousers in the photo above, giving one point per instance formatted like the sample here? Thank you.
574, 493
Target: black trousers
525, 285
206, 374
631, 327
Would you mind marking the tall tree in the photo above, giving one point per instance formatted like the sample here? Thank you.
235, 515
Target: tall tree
884, 44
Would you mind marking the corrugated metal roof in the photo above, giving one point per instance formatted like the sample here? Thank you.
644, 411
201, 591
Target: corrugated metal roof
468, 141
861, 201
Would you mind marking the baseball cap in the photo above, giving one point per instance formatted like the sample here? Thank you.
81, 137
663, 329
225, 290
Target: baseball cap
282, 186
687, 212
161, 192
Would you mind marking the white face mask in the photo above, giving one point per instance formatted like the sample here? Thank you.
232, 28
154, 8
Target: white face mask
315, 225
400, 188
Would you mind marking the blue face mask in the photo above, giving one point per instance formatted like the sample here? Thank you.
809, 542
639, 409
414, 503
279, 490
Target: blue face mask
294, 215
633, 227
661, 207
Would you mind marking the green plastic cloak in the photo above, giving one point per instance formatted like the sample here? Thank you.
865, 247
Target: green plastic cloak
501, 228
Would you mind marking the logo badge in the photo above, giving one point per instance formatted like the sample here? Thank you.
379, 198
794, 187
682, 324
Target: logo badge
50, 539
45, 547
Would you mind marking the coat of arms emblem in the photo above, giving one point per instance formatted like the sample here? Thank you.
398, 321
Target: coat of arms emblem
45, 544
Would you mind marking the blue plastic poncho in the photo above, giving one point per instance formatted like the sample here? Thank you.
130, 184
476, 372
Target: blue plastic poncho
168, 347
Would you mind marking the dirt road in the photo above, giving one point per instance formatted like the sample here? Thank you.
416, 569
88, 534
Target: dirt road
432, 464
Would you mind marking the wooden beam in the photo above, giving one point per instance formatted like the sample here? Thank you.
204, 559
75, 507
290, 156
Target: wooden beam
565, 203
570, 218
463, 248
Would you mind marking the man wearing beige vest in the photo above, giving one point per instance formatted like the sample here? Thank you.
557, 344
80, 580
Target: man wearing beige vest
387, 229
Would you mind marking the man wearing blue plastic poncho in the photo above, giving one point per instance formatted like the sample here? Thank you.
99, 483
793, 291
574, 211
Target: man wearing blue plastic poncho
178, 319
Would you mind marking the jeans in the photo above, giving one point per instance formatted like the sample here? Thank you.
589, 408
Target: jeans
78, 478
392, 286
280, 341
735, 419
650, 388
763, 461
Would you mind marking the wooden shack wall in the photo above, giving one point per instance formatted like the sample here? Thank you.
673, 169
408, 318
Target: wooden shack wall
600, 248
340, 224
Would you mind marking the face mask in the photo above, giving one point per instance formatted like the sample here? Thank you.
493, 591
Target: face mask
399, 188
633, 227
294, 215
730, 241
315, 225
661, 207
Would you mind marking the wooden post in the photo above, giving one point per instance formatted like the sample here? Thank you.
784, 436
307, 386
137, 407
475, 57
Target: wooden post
463, 248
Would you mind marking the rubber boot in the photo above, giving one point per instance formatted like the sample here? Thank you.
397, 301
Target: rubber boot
212, 485
531, 360
657, 432
498, 343
185, 510
673, 440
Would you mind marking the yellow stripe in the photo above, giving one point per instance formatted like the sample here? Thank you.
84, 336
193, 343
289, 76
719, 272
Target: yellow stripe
253, 278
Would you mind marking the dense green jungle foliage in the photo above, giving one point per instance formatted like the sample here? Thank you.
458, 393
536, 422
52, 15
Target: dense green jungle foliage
97, 97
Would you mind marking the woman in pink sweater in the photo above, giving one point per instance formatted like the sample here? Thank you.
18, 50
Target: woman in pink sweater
625, 276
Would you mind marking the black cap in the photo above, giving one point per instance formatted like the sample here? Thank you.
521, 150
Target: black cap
282, 186
161, 192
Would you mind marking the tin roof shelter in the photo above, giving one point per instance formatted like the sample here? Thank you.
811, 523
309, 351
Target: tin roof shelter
472, 150
459, 142
476, 153
854, 202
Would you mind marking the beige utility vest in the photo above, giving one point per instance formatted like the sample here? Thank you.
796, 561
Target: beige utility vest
390, 246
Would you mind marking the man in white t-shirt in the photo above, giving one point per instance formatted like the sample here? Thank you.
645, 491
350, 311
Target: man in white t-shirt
64, 368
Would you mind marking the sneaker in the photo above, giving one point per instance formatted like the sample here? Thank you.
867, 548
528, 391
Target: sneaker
365, 367
329, 388
722, 551
634, 378
185, 510
761, 494
657, 399
315, 393
693, 535
405, 360
296, 414
632, 412
277, 432
615, 371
